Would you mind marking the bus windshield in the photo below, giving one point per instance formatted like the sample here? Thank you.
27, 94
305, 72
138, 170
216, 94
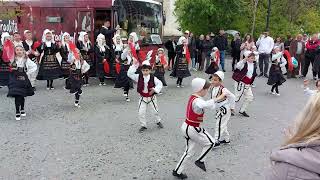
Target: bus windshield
141, 16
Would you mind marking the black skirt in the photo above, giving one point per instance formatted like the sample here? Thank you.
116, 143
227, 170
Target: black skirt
65, 67
75, 81
4, 74
159, 73
275, 75
49, 69
19, 84
122, 79
213, 68
181, 68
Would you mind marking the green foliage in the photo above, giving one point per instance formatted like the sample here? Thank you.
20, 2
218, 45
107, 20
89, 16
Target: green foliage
287, 16
7, 11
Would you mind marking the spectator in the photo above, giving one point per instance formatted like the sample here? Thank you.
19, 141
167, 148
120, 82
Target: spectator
221, 42
266, 44
311, 46
199, 48
246, 45
170, 45
297, 50
299, 157
288, 42
193, 51
279, 44
207, 45
235, 46
108, 32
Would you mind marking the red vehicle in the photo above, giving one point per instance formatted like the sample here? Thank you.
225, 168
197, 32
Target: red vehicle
141, 16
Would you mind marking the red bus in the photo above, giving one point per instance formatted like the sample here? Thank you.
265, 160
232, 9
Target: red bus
145, 17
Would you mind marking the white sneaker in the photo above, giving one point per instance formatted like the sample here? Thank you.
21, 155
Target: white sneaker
160, 93
128, 100
23, 114
253, 85
273, 93
18, 117
125, 95
277, 94
178, 86
100, 84
182, 86
48, 88
77, 105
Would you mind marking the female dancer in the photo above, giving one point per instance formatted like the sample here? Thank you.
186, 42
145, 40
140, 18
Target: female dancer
86, 50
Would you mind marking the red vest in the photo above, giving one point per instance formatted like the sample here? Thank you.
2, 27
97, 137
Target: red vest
240, 75
140, 86
192, 118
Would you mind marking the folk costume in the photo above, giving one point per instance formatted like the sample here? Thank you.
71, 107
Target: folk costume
276, 77
5, 61
159, 67
192, 130
223, 114
147, 86
103, 59
244, 75
30, 47
215, 60
50, 68
65, 50
181, 65
19, 83
86, 50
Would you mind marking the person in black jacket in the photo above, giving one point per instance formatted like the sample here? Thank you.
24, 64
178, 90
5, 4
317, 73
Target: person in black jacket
221, 42
108, 32
193, 50
235, 45
207, 46
170, 45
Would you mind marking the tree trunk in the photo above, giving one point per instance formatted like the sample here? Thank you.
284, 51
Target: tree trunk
254, 16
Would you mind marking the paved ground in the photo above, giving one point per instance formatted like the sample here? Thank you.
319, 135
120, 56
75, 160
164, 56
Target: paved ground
101, 140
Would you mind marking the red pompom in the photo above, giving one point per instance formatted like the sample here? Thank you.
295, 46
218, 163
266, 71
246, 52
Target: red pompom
118, 68
36, 45
289, 61
73, 47
106, 67
7, 51
163, 60
188, 57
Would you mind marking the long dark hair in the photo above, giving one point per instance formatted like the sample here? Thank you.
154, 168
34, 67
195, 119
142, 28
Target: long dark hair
245, 38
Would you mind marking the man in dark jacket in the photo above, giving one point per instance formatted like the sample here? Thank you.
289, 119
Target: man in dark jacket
170, 45
193, 50
108, 32
221, 43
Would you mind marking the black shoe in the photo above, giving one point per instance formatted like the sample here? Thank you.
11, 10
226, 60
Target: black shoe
216, 144
160, 125
224, 142
201, 165
34, 88
261, 74
179, 176
232, 114
223, 70
244, 114
266, 76
142, 129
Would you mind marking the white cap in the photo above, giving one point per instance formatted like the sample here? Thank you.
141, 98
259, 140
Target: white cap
187, 32
197, 84
26, 31
220, 74
146, 62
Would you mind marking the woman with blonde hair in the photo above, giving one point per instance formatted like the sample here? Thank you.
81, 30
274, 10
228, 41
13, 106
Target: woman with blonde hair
299, 157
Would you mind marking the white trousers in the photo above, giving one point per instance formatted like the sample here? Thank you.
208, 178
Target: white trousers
32, 77
147, 103
243, 90
222, 118
194, 136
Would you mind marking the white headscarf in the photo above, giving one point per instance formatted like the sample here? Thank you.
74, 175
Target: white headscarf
4, 36
63, 42
117, 46
181, 40
81, 39
134, 36
101, 42
48, 43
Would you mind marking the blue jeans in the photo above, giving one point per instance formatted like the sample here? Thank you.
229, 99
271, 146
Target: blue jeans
193, 62
222, 54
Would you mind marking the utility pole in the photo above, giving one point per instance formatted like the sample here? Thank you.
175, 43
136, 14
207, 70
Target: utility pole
268, 15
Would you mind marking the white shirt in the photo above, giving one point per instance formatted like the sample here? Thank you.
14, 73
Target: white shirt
265, 44
299, 48
231, 98
240, 66
135, 77
199, 104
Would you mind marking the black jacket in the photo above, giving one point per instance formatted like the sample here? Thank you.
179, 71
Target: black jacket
169, 46
221, 42
108, 34
207, 45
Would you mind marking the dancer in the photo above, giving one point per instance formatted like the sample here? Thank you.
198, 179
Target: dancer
160, 66
78, 67
30, 48
50, 68
5, 63
193, 133
17, 39
276, 77
122, 79
181, 69
65, 49
117, 51
103, 57
224, 112
214, 65
86, 50
19, 83
244, 75
147, 86
308, 91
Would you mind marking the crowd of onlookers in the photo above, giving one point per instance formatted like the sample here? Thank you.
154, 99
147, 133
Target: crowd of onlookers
304, 48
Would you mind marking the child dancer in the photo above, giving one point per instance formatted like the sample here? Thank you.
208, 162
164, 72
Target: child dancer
147, 87
224, 112
244, 75
181, 69
86, 50
102, 55
160, 65
65, 50
193, 133
19, 83
50, 68
78, 67
215, 60
308, 91
276, 77
4, 64
122, 79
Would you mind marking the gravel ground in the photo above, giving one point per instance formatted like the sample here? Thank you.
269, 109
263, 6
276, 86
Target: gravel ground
101, 140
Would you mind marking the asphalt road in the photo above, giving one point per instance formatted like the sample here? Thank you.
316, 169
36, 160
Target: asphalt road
101, 140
